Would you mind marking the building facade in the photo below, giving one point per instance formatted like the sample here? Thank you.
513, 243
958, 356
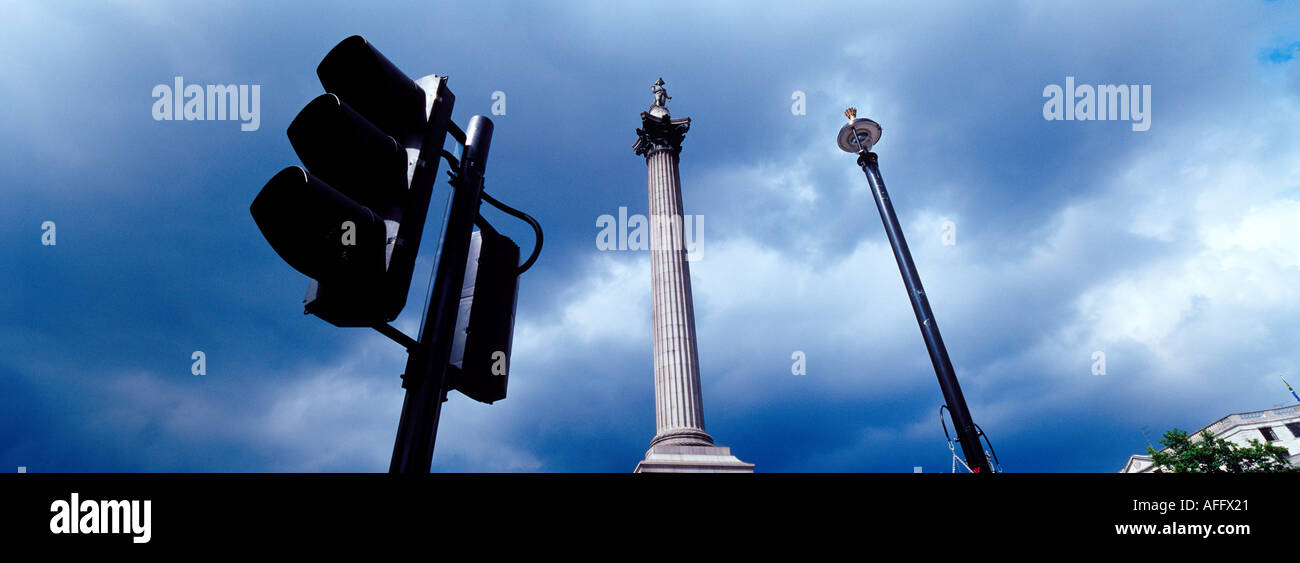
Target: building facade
1279, 427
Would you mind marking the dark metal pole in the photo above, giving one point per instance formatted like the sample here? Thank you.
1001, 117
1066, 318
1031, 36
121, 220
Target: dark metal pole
425, 379
961, 418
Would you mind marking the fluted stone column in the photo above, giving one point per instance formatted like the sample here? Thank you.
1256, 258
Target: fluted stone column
680, 443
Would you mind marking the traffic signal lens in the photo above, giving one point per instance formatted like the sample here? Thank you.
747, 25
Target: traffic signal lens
319, 231
366, 80
346, 151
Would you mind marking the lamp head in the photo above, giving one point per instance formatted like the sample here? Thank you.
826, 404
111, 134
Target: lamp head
866, 132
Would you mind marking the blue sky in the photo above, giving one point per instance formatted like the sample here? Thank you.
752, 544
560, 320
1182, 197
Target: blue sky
1173, 251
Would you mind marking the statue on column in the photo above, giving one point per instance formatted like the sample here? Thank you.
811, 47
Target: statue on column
660, 94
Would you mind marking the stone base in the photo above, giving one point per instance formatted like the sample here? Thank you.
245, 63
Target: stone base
691, 459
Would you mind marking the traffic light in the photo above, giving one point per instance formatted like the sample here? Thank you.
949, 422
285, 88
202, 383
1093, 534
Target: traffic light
352, 216
485, 319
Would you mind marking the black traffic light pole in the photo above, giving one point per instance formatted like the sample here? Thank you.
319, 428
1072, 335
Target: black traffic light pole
425, 378
961, 418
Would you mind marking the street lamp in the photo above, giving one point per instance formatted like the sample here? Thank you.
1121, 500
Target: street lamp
858, 136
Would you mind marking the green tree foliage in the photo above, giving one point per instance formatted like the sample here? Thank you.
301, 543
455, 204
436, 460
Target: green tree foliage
1208, 454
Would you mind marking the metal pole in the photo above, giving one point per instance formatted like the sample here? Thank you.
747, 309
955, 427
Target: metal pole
425, 378
961, 418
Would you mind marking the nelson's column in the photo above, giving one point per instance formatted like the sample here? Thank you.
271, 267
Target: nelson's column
680, 443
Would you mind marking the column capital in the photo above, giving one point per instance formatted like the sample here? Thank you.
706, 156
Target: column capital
659, 131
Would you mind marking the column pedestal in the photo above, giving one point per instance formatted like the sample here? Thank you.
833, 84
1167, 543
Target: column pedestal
691, 459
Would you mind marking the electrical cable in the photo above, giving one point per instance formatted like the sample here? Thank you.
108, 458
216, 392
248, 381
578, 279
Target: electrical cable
537, 228
996, 465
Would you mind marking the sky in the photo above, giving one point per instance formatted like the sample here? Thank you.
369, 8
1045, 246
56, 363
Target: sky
1092, 281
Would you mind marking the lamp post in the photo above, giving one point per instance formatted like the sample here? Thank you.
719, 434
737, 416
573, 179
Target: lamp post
858, 136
